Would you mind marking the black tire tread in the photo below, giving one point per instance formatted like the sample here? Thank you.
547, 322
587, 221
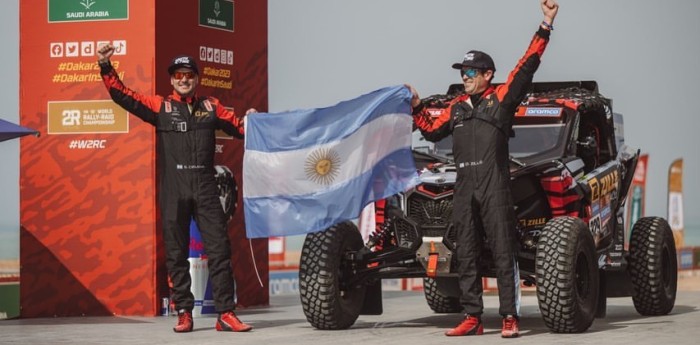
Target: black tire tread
437, 301
555, 274
650, 237
319, 287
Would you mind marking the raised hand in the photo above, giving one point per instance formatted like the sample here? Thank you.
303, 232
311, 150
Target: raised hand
105, 52
549, 9
415, 98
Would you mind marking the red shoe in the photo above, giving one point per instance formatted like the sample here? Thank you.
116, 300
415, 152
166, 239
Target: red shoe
510, 327
471, 325
184, 321
228, 322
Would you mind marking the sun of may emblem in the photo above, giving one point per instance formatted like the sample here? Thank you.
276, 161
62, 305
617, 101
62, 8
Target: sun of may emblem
322, 166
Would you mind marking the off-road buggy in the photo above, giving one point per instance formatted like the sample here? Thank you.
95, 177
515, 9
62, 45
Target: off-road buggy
570, 173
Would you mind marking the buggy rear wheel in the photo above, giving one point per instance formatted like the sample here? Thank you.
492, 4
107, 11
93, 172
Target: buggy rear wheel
567, 275
653, 266
328, 302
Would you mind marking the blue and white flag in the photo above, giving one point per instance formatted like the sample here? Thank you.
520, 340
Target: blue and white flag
306, 170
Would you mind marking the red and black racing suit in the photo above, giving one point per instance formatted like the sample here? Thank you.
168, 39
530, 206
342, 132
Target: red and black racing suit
187, 187
480, 126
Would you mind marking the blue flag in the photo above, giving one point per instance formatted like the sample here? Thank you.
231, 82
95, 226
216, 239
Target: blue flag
306, 170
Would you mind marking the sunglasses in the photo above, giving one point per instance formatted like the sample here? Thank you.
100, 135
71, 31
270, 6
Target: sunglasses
469, 72
179, 75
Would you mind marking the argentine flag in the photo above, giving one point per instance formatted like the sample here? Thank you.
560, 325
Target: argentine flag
306, 170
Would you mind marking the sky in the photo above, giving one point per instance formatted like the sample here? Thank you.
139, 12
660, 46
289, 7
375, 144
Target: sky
643, 54
9, 150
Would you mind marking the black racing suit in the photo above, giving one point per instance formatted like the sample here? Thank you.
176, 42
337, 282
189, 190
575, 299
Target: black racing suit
480, 128
185, 130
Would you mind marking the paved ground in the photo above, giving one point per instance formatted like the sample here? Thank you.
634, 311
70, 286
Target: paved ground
689, 281
406, 321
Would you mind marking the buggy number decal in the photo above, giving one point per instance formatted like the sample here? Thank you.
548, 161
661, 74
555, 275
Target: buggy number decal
594, 225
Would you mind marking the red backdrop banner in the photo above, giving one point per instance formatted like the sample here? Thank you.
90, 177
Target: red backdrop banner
90, 242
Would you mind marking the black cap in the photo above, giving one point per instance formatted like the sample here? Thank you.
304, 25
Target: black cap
183, 61
476, 59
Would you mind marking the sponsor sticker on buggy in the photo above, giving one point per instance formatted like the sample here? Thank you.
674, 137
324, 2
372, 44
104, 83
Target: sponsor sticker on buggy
604, 184
595, 225
435, 112
605, 212
542, 112
534, 222
595, 208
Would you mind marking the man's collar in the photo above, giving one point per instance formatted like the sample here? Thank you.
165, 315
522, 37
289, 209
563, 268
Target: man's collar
488, 91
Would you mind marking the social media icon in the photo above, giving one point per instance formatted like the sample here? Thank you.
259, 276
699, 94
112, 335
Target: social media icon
56, 49
119, 47
87, 48
72, 49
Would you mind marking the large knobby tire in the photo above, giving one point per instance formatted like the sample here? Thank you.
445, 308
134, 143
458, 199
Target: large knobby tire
567, 275
327, 302
653, 266
437, 301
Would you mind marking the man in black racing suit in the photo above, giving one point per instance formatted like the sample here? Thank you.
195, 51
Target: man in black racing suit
185, 124
480, 123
